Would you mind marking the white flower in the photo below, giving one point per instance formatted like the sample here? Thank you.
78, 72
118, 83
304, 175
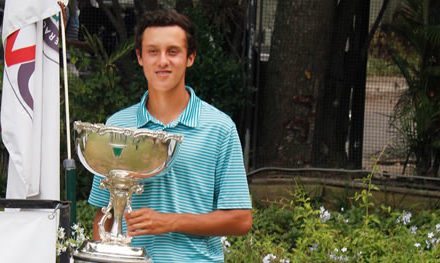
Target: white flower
405, 218
75, 227
437, 228
344, 249
225, 244
324, 214
342, 209
313, 247
430, 235
428, 244
340, 258
285, 260
417, 245
76, 240
413, 229
269, 258
61, 233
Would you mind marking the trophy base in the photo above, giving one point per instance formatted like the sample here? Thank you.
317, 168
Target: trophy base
99, 252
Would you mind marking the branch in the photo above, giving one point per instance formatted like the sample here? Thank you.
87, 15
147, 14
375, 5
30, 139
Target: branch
375, 27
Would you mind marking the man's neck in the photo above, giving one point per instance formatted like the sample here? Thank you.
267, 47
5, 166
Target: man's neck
167, 106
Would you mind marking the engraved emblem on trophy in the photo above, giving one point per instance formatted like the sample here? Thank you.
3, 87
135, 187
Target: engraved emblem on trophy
123, 157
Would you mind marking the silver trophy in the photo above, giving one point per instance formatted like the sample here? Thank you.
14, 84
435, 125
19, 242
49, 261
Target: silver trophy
123, 157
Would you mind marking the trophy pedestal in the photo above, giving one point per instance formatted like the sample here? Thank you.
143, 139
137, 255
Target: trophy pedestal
99, 252
123, 156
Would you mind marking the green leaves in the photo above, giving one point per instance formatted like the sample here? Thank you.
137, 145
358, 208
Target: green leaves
292, 229
217, 76
416, 115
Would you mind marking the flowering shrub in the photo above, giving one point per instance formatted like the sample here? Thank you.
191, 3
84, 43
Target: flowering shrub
64, 243
295, 230
299, 230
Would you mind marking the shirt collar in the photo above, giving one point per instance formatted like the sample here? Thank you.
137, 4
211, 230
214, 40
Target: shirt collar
189, 117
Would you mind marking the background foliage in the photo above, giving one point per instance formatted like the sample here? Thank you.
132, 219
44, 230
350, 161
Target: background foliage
417, 114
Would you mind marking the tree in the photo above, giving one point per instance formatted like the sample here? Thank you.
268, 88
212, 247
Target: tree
315, 80
295, 73
340, 110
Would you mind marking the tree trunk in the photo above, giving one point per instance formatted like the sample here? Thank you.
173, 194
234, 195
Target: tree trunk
333, 104
344, 91
299, 56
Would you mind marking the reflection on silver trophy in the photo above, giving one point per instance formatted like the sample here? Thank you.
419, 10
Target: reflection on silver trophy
123, 157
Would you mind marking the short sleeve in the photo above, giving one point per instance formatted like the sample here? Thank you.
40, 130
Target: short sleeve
231, 187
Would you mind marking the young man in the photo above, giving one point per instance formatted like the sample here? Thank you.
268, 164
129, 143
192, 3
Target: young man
181, 215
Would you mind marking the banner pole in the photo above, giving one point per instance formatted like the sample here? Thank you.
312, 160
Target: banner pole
69, 163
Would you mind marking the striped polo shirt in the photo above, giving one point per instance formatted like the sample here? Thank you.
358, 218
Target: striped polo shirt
207, 174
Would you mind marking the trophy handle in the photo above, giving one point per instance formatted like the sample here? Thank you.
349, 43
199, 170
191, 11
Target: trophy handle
103, 234
121, 187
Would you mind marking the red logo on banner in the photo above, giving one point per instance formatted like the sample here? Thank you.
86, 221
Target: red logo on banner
21, 55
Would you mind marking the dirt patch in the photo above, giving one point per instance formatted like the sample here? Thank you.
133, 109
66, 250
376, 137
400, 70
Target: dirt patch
382, 94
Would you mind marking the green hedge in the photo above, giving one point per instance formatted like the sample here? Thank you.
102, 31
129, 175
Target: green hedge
298, 229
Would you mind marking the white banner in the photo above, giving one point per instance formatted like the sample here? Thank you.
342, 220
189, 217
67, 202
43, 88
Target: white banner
30, 100
28, 236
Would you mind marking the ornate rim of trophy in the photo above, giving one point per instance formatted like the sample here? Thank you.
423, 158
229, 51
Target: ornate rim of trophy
124, 157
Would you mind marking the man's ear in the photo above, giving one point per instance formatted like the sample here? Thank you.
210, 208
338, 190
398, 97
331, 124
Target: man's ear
139, 56
190, 60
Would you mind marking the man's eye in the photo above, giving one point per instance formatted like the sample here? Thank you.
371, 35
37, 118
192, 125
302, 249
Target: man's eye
152, 51
173, 52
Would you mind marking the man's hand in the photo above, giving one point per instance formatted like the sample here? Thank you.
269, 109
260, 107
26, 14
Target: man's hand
146, 221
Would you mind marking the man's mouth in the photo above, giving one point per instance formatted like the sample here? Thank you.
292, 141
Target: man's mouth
163, 72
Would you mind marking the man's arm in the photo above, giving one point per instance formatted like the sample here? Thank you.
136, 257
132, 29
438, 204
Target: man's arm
146, 221
108, 224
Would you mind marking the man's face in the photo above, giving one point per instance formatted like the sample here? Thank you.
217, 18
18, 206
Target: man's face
164, 57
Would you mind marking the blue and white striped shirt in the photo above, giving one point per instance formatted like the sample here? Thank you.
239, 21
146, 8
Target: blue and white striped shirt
207, 174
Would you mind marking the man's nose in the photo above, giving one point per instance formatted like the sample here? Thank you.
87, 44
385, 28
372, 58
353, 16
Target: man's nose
163, 59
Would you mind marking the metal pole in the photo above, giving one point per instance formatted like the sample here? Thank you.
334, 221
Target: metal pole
65, 223
70, 181
69, 163
250, 81
358, 100
257, 87
66, 86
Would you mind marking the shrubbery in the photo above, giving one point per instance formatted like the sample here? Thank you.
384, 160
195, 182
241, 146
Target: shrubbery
299, 230
295, 231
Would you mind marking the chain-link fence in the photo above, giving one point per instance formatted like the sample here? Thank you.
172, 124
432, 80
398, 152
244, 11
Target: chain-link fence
379, 130
322, 92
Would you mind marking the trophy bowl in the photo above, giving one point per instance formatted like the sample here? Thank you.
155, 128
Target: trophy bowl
124, 158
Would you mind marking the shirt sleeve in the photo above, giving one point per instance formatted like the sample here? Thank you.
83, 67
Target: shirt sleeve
98, 197
231, 187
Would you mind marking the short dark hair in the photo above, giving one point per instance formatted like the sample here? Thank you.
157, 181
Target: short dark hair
166, 17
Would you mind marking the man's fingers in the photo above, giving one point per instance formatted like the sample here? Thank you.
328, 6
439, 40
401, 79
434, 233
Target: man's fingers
138, 232
141, 228
137, 213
